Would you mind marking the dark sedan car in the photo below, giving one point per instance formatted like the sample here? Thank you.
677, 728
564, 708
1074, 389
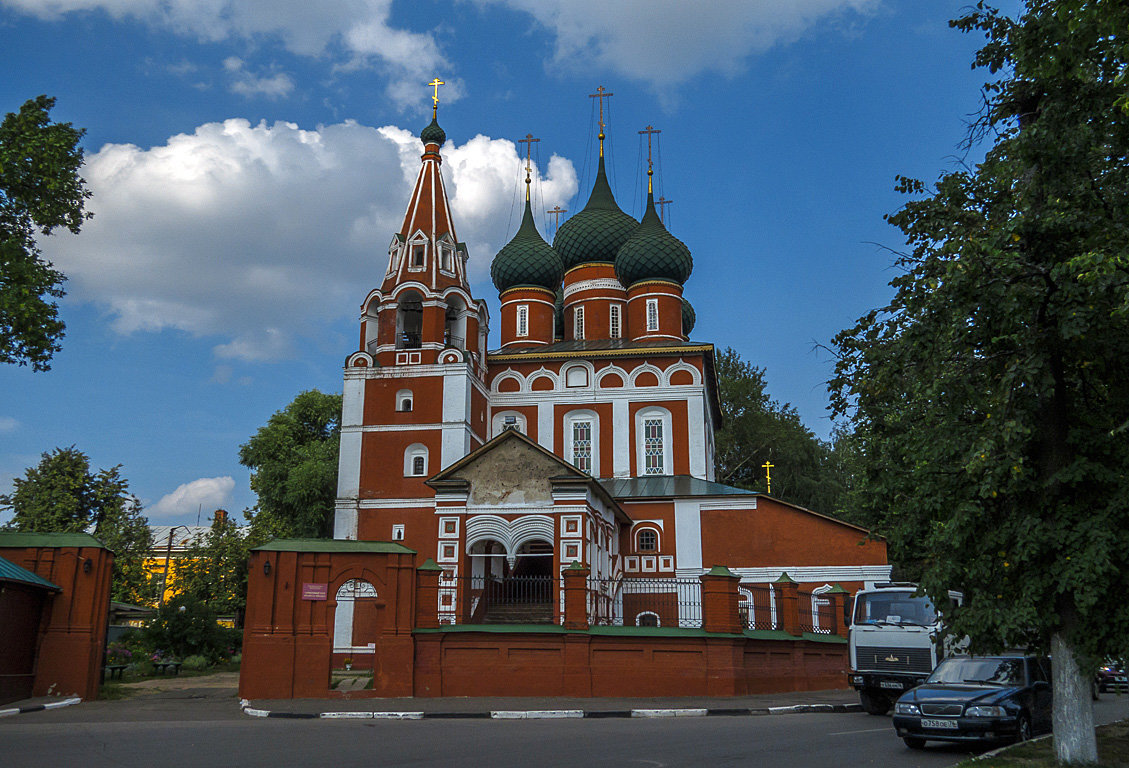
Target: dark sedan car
977, 698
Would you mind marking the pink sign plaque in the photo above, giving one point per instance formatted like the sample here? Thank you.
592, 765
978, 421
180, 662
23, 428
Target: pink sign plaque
315, 591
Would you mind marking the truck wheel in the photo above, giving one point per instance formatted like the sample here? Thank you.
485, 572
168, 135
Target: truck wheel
874, 704
913, 742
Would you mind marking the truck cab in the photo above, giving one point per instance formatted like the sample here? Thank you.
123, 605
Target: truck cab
893, 643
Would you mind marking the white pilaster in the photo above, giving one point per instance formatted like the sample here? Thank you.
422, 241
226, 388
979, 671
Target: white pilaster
621, 437
456, 414
696, 412
545, 424
352, 415
688, 533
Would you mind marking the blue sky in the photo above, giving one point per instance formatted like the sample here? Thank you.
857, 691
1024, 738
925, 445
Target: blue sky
250, 160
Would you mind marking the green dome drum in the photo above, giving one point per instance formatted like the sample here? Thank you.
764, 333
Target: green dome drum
433, 134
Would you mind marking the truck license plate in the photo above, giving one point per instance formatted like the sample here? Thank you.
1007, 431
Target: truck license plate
890, 684
944, 724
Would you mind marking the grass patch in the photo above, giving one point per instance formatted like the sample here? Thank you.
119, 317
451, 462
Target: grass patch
113, 690
1113, 752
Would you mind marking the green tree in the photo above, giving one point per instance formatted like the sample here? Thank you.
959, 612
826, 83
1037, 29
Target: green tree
213, 570
40, 189
756, 429
989, 397
293, 462
61, 494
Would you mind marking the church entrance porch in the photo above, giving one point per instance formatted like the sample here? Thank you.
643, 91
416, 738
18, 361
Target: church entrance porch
509, 588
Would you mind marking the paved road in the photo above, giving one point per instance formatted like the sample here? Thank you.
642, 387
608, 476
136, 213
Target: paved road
206, 731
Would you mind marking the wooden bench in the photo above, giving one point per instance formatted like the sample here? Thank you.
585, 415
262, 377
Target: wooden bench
114, 670
164, 666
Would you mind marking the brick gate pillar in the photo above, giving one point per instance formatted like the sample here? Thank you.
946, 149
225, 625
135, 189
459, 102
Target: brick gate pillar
838, 597
427, 595
787, 604
576, 596
720, 600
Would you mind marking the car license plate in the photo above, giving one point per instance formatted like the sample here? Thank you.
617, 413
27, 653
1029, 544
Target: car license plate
944, 724
890, 684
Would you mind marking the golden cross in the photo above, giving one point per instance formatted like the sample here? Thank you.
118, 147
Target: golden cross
601, 94
662, 202
435, 97
528, 142
768, 465
650, 129
556, 214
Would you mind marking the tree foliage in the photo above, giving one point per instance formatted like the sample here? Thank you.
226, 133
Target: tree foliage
989, 397
757, 429
293, 462
213, 570
40, 189
62, 494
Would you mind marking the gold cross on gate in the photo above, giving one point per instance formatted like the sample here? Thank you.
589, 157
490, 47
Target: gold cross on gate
662, 202
435, 97
768, 465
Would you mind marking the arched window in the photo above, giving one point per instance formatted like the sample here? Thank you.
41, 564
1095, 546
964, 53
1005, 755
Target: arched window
404, 400
409, 320
454, 329
653, 442
582, 441
347, 596
523, 320
821, 605
415, 460
647, 619
652, 314
647, 540
508, 420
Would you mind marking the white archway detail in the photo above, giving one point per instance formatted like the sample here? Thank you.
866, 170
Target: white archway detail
695, 374
647, 368
347, 594
511, 534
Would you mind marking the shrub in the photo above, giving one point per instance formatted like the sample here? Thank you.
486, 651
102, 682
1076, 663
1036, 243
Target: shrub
196, 662
186, 627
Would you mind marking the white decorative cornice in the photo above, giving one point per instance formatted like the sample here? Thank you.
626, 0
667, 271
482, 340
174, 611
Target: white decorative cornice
597, 284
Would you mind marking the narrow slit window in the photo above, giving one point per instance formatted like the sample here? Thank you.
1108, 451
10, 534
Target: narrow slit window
523, 320
652, 314
578, 324
614, 329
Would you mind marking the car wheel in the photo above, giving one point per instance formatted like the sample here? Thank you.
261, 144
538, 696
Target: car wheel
873, 704
1023, 732
913, 742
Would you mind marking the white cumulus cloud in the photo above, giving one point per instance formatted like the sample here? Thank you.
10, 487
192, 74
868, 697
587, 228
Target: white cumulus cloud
209, 493
258, 234
362, 29
665, 42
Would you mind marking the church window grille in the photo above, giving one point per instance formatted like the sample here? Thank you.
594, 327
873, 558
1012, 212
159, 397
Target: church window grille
582, 445
415, 460
653, 449
523, 320
418, 465
614, 325
647, 540
652, 314
578, 324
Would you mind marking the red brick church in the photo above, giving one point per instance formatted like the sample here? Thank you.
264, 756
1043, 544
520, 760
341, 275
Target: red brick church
582, 445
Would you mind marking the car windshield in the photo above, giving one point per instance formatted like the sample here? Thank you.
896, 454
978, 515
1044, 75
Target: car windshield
980, 671
890, 607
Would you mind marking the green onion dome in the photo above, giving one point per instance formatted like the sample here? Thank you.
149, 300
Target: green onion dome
527, 260
689, 317
652, 253
597, 232
433, 134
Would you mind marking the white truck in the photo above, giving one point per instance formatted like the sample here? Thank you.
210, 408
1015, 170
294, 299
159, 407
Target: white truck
893, 643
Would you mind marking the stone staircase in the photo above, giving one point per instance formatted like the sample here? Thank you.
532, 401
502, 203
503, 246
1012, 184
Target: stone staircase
519, 613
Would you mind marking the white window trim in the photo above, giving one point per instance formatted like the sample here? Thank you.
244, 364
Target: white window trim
499, 422
658, 540
523, 320
401, 396
412, 267
578, 323
815, 603
412, 452
398, 532
640, 441
574, 416
641, 614
615, 321
652, 315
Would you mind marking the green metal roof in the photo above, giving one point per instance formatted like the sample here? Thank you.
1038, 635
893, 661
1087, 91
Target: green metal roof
668, 486
652, 253
433, 134
597, 232
527, 260
9, 571
334, 545
36, 539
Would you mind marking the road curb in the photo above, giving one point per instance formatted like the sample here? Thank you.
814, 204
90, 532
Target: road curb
40, 707
553, 714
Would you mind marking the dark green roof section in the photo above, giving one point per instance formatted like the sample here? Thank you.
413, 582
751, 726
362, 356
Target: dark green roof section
9, 571
596, 233
334, 545
38, 539
433, 134
652, 253
678, 486
527, 260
